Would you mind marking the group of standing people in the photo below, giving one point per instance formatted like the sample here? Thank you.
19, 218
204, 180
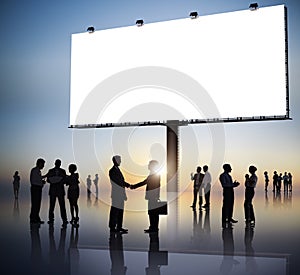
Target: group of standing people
228, 196
57, 178
89, 185
202, 184
286, 178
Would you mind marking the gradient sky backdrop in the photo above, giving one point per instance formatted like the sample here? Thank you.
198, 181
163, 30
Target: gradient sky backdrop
35, 54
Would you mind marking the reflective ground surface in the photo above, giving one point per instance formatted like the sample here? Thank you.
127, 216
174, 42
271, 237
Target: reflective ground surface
188, 242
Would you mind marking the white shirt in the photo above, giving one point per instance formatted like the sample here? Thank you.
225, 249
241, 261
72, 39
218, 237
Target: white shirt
206, 180
36, 177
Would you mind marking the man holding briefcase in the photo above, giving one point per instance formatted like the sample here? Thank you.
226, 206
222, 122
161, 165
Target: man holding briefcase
152, 183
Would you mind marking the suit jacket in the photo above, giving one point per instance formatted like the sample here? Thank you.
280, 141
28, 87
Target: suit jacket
152, 183
56, 177
118, 184
198, 181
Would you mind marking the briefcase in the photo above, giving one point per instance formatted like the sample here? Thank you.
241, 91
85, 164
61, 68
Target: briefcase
162, 207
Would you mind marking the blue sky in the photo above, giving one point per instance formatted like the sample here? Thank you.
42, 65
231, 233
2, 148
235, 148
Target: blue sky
35, 54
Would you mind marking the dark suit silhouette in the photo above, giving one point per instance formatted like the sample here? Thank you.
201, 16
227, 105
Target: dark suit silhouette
152, 183
118, 196
57, 177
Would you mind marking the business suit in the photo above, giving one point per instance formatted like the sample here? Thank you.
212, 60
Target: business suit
197, 178
118, 196
56, 177
152, 183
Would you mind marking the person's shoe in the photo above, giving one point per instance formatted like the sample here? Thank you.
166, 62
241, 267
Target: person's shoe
149, 230
233, 221
64, 225
41, 222
113, 230
205, 206
122, 230
193, 206
50, 222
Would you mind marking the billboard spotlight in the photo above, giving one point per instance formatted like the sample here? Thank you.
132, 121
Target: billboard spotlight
139, 22
90, 29
253, 6
194, 14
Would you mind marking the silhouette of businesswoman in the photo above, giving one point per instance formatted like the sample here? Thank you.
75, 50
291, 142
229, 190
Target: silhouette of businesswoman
37, 183
250, 184
16, 184
228, 196
118, 197
73, 193
152, 183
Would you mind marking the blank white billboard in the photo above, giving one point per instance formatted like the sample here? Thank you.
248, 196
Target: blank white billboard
217, 66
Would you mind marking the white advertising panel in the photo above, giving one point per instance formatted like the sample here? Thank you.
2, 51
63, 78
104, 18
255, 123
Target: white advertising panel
216, 66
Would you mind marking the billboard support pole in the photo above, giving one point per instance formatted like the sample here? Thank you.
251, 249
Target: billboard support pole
172, 128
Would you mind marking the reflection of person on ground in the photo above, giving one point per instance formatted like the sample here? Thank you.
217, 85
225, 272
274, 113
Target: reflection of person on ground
117, 254
197, 178
57, 178
156, 258
73, 193
290, 182
279, 181
287, 199
197, 228
16, 184
16, 211
266, 180
118, 196
57, 257
277, 199
228, 261
73, 251
96, 185
251, 265
88, 185
285, 179
152, 183
228, 196
206, 183
250, 184
275, 181
201, 229
266, 199
37, 183
36, 258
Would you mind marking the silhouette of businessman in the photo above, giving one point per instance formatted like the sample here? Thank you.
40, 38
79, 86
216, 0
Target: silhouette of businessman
197, 178
57, 178
96, 180
152, 183
206, 182
37, 183
228, 196
118, 197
